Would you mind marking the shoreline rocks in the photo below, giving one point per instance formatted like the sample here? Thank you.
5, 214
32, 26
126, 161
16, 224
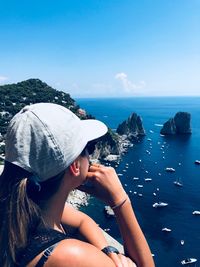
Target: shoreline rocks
78, 198
109, 212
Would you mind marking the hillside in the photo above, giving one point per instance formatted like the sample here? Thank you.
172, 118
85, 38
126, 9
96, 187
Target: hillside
13, 97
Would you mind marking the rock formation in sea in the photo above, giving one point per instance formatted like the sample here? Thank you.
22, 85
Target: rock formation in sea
132, 127
168, 127
180, 124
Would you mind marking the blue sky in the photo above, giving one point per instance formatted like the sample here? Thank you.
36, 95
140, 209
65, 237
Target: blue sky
99, 48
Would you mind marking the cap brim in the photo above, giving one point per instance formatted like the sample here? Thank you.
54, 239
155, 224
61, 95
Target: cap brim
93, 129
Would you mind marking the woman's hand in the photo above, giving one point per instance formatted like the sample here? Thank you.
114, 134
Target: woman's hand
106, 186
103, 183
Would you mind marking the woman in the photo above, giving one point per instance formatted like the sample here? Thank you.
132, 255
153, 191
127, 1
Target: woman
47, 156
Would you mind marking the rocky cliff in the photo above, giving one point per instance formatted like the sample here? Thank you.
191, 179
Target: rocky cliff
109, 144
132, 127
180, 124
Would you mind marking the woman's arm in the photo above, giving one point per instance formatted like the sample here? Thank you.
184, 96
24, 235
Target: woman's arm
74, 253
88, 230
107, 187
135, 244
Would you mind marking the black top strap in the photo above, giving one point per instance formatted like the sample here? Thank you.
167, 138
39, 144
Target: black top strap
39, 241
46, 255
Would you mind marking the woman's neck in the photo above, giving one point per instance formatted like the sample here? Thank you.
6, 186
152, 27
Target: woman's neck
52, 211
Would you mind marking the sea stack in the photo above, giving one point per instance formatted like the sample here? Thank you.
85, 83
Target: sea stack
180, 124
132, 127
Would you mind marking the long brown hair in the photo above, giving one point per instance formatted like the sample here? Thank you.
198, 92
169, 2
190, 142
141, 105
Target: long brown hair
20, 211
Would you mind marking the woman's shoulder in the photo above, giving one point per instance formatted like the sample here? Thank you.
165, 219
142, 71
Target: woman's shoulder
75, 253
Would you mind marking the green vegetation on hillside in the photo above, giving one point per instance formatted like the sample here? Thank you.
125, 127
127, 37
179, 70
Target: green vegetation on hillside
13, 97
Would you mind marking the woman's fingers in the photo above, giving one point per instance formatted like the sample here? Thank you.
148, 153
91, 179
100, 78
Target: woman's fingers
103, 183
126, 261
121, 260
115, 259
97, 165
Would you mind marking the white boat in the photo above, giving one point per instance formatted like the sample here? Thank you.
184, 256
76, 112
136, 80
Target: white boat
169, 169
140, 185
197, 162
160, 204
182, 242
106, 229
178, 183
147, 179
196, 212
166, 229
188, 261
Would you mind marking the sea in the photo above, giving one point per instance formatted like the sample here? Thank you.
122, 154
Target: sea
148, 158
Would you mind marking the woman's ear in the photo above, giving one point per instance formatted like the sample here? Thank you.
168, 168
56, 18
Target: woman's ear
75, 168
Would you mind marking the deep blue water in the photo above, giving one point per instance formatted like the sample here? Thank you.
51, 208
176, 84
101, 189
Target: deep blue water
178, 152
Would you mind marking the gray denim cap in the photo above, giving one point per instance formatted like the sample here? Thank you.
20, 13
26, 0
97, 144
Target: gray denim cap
46, 138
